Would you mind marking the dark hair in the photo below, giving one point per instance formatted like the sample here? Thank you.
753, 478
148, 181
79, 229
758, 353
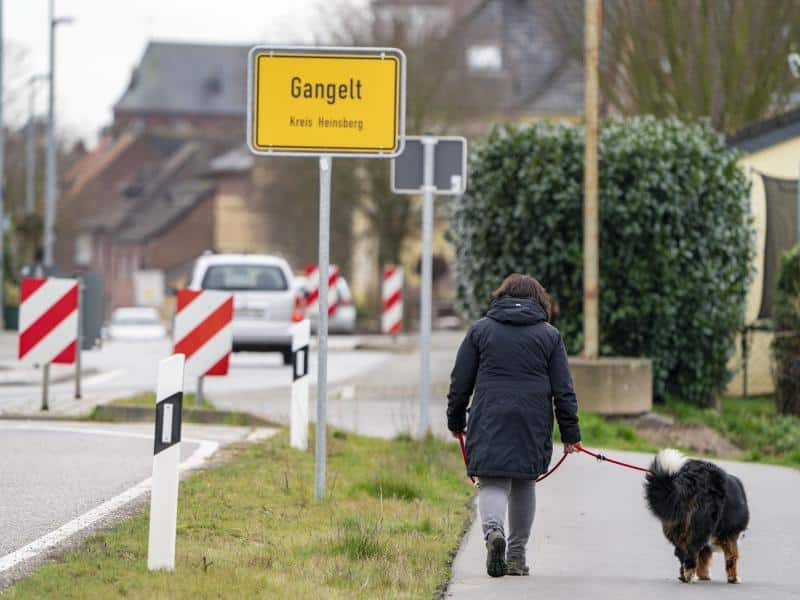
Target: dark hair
518, 285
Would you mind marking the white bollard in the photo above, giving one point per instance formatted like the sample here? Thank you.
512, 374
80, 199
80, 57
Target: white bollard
166, 457
298, 413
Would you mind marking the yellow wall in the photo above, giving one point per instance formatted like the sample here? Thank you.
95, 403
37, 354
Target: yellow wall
364, 282
781, 160
238, 226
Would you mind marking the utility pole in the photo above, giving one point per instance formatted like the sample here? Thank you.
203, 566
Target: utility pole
591, 208
51, 185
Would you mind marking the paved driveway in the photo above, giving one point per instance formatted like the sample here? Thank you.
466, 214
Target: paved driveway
594, 539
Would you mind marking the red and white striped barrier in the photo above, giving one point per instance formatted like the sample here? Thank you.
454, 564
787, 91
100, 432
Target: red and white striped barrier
312, 300
392, 294
48, 321
202, 331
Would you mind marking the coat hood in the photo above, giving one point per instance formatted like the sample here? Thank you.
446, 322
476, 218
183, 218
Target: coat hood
516, 311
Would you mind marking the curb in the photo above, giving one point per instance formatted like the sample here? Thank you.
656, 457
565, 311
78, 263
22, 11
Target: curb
444, 586
387, 346
104, 413
37, 379
146, 414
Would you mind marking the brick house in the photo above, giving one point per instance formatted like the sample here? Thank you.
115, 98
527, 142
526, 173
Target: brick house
187, 88
136, 203
160, 187
171, 177
769, 150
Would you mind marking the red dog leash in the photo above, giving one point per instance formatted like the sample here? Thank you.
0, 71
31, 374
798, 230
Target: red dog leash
460, 435
601, 458
597, 455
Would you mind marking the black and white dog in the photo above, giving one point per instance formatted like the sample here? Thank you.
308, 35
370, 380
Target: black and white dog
701, 508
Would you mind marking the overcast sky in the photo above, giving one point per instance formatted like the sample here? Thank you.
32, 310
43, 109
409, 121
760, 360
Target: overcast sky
95, 53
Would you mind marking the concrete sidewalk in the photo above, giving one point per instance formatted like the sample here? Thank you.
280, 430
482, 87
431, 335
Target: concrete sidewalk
593, 538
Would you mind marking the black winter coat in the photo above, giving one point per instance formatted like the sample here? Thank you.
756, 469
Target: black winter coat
515, 362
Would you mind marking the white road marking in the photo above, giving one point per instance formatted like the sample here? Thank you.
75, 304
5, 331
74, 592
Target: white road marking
32, 425
259, 434
103, 377
48, 541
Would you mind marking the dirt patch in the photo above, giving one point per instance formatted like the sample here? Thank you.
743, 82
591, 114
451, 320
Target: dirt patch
694, 437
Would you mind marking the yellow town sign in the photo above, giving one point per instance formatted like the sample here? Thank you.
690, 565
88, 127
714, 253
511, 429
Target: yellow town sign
326, 101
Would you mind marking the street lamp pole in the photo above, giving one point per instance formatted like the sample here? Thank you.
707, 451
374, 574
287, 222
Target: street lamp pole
50, 165
51, 185
30, 148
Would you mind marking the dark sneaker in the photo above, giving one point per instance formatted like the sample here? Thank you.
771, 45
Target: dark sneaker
516, 567
495, 554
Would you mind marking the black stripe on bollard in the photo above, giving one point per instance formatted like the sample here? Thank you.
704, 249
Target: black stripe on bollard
300, 363
168, 412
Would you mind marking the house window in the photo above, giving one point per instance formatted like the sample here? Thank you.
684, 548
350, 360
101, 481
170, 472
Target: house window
485, 58
418, 21
213, 85
83, 249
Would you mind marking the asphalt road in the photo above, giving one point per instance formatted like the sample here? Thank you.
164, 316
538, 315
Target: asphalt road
593, 538
52, 472
125, 368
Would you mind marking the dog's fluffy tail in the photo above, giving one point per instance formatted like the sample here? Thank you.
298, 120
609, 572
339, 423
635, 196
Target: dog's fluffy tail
660, 489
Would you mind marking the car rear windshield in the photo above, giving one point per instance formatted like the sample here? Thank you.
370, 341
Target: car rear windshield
257, 278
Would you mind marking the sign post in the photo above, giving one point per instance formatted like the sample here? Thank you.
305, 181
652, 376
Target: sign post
79, 345
320, 456
325, 102
431, 165
426, 285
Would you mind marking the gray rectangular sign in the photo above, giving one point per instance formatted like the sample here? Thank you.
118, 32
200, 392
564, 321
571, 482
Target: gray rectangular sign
449, 170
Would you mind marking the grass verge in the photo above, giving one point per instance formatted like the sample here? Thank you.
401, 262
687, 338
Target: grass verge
599, 432
149, 399
140, 407
751, 423
251, 528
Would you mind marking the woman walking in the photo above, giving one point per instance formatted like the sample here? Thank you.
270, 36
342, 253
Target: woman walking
516, 364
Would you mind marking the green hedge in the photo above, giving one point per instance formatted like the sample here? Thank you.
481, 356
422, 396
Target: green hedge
675, 240
786, 344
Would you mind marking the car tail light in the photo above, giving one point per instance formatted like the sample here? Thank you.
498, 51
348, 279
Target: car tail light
299, 312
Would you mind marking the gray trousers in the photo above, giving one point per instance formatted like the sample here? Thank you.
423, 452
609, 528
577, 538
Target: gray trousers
495, 495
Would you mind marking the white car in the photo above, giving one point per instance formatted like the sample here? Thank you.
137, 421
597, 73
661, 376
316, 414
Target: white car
265, 301
135, 323
344, 319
